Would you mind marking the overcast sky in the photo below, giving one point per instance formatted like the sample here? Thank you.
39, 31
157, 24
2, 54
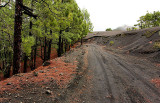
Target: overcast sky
113, 13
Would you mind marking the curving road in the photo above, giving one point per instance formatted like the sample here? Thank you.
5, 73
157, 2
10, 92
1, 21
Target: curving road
115, 78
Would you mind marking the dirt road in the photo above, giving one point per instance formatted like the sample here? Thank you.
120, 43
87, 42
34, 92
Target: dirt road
116, 79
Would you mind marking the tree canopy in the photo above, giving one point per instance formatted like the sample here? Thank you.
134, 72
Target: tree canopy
46, 24
149, 20
108, 29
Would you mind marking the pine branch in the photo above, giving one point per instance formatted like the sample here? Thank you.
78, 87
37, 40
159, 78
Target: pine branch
49, 7
30, 14
5, 4
28, 11
25, 7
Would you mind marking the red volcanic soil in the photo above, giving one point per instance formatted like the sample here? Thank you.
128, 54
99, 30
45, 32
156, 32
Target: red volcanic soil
32, 86
58, 70
156, 81
39, 62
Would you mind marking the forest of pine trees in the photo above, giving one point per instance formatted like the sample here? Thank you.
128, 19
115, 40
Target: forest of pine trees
27, 26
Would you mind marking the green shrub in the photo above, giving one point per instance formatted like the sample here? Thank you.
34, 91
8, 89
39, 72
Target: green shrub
149, 33
123, 35
157, 45
108, 29
111, 43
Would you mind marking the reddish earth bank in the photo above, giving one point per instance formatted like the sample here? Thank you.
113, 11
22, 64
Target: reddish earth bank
46, 84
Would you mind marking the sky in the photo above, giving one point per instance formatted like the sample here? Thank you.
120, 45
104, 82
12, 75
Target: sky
114, 13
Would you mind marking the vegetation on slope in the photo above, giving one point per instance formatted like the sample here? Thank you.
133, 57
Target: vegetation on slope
45, 24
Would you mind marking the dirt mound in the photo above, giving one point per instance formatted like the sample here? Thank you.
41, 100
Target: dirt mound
140, 42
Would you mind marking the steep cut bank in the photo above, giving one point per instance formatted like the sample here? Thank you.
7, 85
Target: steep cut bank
144, 43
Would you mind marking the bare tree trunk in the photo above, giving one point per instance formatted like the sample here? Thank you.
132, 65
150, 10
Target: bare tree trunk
17, 37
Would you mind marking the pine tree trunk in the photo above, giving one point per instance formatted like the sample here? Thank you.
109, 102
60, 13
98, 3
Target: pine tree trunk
17, 37
66, 45
45, 48
69, 46
81, 41
3, 65
49, 50
59, 44
31, 61
62, 46
7, 72
35, 54
49, 47
5, 56
41, 50
25, 63
30, 27
0, 64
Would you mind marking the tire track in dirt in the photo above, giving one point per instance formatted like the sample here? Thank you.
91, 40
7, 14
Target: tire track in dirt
140, 78
144, 85
115, 79
103, 67
126, 80
147, 87
100, 79
132, 96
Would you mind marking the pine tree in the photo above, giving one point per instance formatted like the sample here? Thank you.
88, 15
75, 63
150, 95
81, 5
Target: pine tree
17, 37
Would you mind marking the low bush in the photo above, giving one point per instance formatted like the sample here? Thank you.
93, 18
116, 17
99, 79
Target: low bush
157, 45
111, 43
149, 33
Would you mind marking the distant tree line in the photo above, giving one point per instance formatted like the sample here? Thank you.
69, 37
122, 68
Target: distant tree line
131, 28
108, 29
149, 20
